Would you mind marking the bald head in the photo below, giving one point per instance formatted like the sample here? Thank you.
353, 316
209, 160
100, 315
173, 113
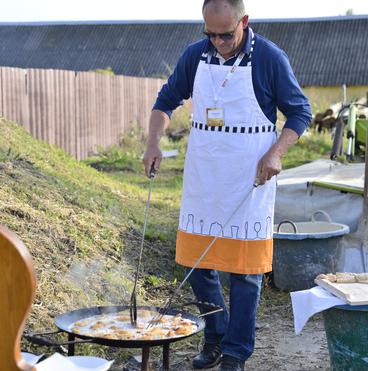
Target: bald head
219, 6
225, 25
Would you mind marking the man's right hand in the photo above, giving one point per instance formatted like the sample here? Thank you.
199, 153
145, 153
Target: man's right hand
153, 155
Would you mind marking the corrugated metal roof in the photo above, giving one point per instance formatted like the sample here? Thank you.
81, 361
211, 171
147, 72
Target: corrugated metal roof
324, 51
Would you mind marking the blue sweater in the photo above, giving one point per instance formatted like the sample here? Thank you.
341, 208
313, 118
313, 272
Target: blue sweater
274, 83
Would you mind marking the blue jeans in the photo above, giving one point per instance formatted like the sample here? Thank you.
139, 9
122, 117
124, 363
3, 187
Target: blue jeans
235, 331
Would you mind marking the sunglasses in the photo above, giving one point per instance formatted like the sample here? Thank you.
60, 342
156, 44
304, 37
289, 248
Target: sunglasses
226, 36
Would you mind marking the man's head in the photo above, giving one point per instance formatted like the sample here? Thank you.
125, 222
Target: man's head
225, 21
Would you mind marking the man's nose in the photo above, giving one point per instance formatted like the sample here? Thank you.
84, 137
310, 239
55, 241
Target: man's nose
218, 41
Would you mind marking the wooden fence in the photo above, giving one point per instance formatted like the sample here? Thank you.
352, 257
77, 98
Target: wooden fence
77, 111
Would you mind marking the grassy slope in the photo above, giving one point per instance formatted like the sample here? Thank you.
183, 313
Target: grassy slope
81, 226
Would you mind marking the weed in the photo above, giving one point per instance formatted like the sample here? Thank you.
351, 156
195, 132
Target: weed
309, 148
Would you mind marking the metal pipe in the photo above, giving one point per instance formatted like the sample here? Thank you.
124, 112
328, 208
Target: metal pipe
350, 153
71, 346
166, 357
145, 358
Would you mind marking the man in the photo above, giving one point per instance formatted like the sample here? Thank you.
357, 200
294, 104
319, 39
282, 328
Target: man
237, 80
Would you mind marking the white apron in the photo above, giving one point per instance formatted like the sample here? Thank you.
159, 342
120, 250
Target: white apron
220, 169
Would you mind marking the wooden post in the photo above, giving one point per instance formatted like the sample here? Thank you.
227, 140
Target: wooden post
362, 232
365, 203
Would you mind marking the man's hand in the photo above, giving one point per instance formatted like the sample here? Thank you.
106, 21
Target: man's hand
153, 155
270, 164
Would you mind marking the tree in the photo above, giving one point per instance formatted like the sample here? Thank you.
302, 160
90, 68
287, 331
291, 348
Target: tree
349, 12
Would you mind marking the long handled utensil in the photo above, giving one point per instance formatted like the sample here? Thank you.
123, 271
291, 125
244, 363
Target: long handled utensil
162, 311
133, 298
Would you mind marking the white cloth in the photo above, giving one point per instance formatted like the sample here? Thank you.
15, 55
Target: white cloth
306, 303
57, 362
31, 359
91, 363
297, 198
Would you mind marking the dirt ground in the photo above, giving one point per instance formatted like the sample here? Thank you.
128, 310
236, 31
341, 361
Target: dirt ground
277, 346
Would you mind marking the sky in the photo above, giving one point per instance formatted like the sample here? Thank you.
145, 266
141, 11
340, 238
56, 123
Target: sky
89, 10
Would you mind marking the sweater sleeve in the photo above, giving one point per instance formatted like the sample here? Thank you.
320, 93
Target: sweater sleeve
180, 84
290, 99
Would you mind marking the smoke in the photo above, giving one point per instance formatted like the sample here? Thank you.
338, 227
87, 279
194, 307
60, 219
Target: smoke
95, 283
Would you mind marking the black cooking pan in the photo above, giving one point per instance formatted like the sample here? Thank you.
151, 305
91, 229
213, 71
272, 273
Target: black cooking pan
65, 323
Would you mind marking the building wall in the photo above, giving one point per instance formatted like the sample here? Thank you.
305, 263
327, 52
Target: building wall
322, 97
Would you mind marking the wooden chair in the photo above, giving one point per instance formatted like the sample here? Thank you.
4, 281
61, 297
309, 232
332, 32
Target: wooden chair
17, 289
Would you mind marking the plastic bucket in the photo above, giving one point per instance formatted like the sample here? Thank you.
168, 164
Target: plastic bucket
303, 250
346, 329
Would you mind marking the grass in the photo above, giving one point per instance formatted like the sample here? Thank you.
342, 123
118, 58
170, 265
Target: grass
310, 147
82, 221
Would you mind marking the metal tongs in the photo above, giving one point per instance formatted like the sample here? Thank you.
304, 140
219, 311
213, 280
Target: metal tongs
133, 298
162, 311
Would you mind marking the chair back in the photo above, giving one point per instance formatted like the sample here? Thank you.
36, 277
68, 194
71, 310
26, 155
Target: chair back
17, 289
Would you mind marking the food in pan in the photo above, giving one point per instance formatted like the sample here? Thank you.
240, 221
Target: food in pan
82, 323
344, 277
329, 277
183, 330
362, 277
117, 326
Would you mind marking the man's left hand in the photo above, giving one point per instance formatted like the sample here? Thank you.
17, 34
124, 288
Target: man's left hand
270, 163
268, 166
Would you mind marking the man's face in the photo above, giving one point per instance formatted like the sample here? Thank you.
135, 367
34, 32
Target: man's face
220, 25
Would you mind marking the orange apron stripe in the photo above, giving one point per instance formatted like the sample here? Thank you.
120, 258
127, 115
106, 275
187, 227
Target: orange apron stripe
242, 256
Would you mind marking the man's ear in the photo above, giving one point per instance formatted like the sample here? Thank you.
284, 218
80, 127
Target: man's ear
245, 21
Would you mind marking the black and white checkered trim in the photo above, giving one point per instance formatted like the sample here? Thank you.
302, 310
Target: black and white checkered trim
251, 50
235, 129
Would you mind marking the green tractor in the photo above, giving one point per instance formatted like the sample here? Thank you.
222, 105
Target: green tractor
356, 133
